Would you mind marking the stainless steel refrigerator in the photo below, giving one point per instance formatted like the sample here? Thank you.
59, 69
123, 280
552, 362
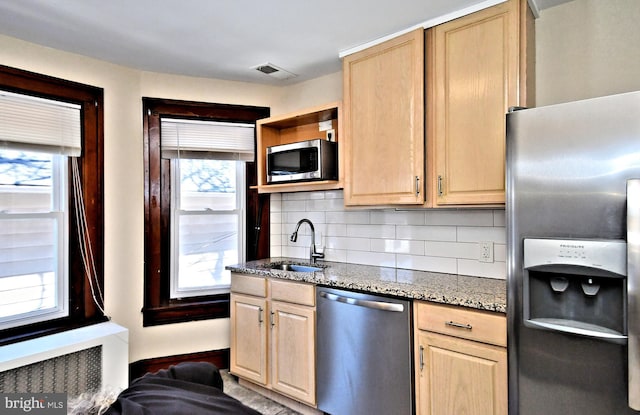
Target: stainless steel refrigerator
573, 235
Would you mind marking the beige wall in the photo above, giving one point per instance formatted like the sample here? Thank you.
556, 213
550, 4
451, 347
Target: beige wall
586, 49
123, 181
319, 91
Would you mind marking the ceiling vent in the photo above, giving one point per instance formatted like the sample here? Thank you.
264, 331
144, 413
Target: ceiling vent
274, 71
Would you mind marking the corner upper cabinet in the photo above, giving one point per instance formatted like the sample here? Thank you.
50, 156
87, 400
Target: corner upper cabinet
476, 70
303, 125
383, 94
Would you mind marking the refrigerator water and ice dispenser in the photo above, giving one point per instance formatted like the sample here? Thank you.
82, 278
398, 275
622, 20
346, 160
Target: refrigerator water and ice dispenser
576, 286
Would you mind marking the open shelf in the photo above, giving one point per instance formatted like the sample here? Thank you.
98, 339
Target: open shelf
294, 127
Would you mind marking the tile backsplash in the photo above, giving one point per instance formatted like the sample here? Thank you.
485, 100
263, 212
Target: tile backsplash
436, 240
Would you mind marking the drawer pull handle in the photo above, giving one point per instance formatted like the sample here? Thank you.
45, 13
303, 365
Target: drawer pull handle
260, 315
459, 325
421, 358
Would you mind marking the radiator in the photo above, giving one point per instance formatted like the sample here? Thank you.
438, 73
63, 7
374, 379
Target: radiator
72, 362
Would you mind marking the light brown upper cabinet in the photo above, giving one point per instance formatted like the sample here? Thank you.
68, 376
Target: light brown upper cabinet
384, 123
459, 80
476, 69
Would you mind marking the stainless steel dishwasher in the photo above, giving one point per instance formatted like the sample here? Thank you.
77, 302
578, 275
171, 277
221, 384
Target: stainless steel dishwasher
363, 354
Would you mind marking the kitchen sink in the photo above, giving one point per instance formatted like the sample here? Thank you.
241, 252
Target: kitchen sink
294, 267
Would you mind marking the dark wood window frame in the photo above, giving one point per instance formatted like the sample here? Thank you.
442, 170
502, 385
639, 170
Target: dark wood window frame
82, 309
159, 308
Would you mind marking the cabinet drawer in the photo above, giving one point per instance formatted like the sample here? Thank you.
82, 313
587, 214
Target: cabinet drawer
293, 292
482, 326
247, 284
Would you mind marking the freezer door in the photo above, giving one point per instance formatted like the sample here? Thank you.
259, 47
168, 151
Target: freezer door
633, 290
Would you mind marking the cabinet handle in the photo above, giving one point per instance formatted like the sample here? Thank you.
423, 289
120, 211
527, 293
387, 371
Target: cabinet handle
421, 358
458, 325
417, 185
439, 185
260, 310
272, 319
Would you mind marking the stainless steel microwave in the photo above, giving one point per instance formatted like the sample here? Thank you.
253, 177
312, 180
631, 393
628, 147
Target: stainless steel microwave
302, 161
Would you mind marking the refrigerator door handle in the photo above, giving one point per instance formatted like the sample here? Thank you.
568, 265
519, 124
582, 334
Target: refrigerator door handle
633, 291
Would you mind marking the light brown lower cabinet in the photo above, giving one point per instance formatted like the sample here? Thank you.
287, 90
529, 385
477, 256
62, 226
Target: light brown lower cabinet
273, 335
461, 361
249, 337
293, 351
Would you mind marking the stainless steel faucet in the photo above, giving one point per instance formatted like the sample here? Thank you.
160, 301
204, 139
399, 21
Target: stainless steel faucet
313, 255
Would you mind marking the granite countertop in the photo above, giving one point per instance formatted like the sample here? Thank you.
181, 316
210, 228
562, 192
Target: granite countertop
461, 290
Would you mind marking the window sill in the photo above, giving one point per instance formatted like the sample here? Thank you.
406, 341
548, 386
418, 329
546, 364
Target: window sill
47, 328
181, 311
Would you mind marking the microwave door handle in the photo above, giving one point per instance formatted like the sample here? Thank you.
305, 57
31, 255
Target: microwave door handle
633, 291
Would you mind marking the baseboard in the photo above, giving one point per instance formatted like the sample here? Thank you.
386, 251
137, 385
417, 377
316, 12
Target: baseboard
220, 358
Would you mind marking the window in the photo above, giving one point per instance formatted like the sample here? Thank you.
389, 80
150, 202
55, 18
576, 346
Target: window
33, 237
207, 201
50, 138
195, 199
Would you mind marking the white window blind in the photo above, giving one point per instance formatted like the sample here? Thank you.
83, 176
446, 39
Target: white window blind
36, 124
182, 138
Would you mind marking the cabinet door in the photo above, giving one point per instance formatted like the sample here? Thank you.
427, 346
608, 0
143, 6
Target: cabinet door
249, 337
293, 351
473, 70
456, 376
383, 123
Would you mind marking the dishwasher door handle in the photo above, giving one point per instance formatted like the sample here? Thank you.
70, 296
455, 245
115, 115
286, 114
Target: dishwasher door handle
377, 305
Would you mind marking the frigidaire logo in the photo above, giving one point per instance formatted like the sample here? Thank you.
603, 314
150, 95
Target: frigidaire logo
33, 403
572, 246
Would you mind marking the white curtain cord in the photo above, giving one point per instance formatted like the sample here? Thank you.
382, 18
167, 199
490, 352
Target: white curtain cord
85, 239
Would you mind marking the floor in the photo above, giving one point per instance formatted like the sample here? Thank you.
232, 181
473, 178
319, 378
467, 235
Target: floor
253, 399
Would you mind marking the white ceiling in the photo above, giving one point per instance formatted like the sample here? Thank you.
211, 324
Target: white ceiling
221, 39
